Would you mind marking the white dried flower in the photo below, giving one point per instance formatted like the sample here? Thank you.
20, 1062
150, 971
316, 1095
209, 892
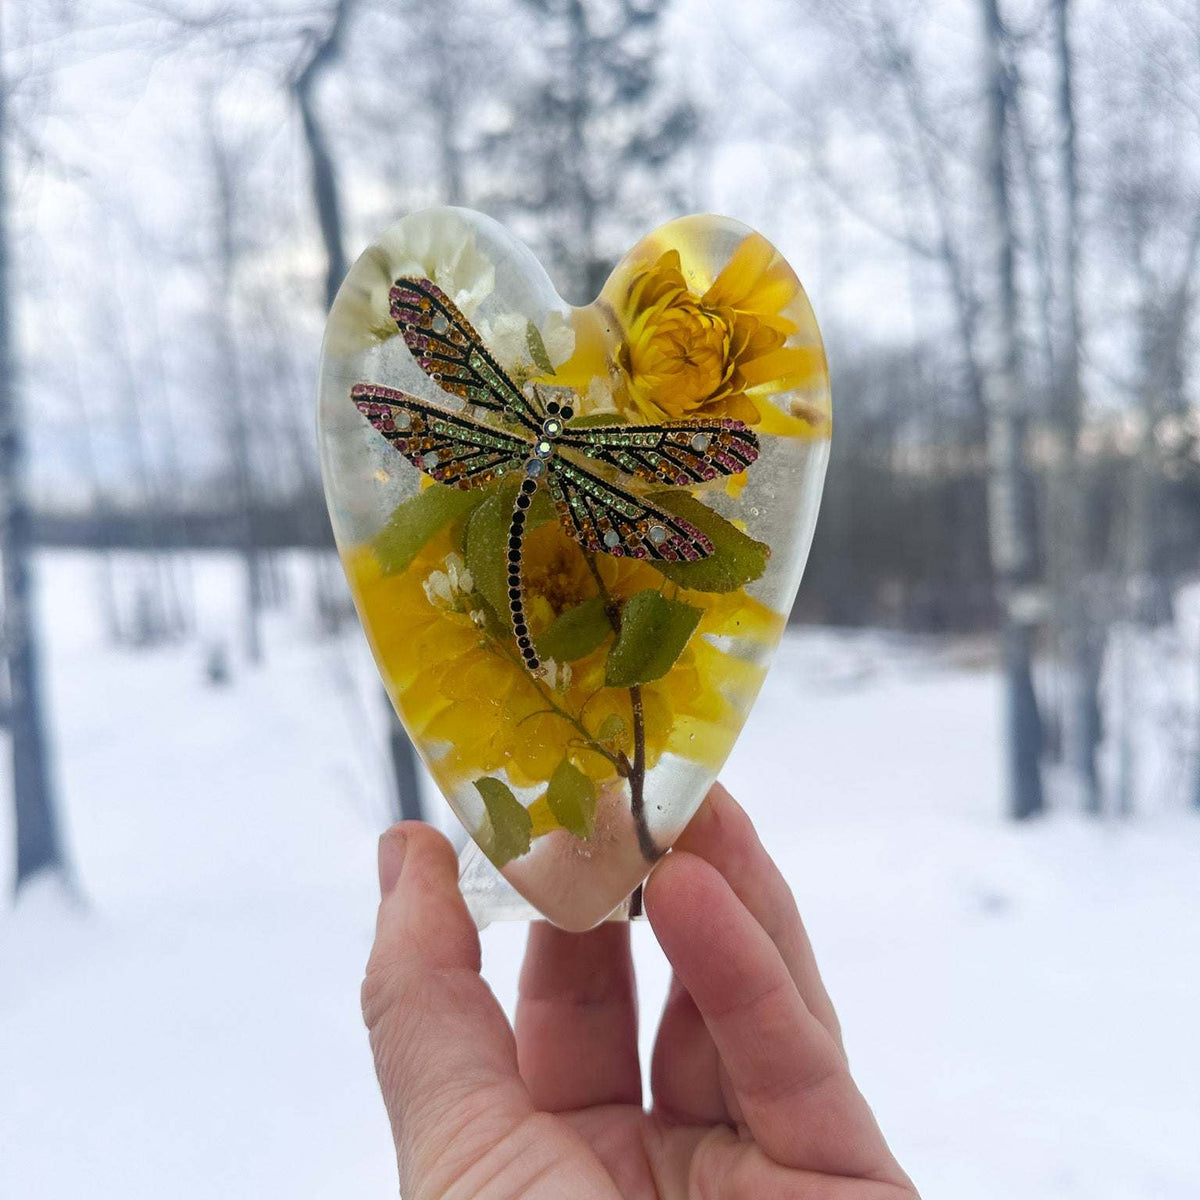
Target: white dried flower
451, 588
558, 337
438, 590
556, 675
504, 336
437, 244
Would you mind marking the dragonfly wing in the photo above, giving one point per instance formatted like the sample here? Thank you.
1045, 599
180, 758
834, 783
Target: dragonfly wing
673, 453
605, 518
449, 350
450, 447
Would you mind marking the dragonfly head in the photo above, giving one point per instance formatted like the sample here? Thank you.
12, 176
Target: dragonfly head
557, 415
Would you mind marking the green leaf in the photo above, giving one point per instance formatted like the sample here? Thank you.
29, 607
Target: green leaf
612, 729
537, 348
736, 558
576, 632
485, 544
416, 520
654, 631
511, 824
600, 418
572, 799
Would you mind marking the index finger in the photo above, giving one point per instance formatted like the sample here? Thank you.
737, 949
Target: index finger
722, 833
787, 1070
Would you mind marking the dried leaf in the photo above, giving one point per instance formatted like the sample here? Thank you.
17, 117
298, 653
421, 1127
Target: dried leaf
736, 560
576, 632
537, 348
511, 825
416, 520
571, 796
654, 631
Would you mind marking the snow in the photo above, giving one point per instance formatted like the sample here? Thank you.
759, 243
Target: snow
1020, 1003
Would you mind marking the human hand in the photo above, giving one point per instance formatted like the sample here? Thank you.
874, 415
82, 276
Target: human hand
753, 1099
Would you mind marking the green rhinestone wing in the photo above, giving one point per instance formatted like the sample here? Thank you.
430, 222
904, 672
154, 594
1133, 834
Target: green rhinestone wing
449, 350
607, 519
449, 447
672, 453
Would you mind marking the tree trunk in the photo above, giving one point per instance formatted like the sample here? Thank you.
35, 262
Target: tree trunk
39, 846
237, 428
1010, 515
590, 272
1083, 628
327, 205
444, 101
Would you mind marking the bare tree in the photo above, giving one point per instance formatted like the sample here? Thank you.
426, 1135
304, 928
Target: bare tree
595, 125
39, 845
1069, 526
231, 401
1010, 508
320, 54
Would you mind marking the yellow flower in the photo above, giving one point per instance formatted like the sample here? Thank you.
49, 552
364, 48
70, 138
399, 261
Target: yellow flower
474, 710
717, 354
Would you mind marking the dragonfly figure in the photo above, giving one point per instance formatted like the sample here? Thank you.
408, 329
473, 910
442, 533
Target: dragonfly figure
538, 441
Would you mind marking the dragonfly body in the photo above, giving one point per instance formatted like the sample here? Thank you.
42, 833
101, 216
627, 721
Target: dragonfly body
538, 441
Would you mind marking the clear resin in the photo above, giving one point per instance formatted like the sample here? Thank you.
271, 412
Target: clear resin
573, 535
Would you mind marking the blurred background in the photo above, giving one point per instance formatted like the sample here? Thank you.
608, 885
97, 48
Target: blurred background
978, 755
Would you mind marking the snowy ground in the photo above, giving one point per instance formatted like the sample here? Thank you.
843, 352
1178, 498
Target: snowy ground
1020, 1004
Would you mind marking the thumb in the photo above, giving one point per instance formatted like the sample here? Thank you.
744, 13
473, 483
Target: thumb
444, 1052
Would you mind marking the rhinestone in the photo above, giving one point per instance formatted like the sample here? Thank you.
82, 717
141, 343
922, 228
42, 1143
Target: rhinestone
403, 420
700, 442
543, 449
657, 534
567, 412
612, 538
552, 428
430, 458
534, 467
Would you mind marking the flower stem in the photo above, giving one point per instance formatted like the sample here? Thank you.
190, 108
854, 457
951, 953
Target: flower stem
637, 769
619, 761
637, 779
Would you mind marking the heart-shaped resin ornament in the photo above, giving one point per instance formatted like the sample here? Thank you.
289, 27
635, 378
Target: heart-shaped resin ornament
573, 534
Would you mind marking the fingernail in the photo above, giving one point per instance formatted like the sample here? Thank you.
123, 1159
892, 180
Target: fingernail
392, 847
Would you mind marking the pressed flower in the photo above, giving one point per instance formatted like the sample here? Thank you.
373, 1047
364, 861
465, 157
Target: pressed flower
464, 693
719, 353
